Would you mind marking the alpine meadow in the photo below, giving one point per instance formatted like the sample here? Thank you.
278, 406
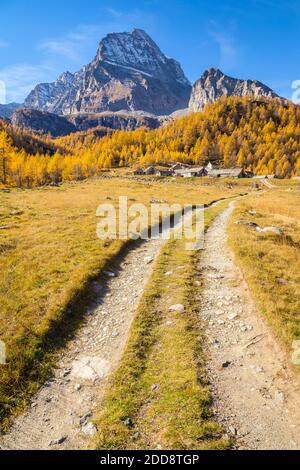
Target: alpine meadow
149, 231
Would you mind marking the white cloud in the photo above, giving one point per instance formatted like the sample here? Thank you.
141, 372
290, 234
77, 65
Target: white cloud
70, 51
2, 92
71, 45
227, 49
227, 46
20, 79
65, 48
114, 13
3, 44
74, 45
127, 16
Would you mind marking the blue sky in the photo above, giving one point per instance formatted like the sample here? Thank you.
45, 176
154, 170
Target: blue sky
246, 39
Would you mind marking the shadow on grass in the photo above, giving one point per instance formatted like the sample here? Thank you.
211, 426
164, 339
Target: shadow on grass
34, 356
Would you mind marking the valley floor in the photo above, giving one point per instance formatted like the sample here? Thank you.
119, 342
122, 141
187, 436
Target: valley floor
50, 255
206, 370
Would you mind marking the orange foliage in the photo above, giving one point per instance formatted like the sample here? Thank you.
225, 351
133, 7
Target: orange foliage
260, 135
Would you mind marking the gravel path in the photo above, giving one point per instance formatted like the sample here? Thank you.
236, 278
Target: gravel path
256, 394
61, 412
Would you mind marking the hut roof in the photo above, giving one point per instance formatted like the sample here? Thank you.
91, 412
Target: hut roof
189, 170
229, 172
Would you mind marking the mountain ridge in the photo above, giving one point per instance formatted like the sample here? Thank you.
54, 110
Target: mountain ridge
58, 126
129, 72
213, 84
7, 110
130, 75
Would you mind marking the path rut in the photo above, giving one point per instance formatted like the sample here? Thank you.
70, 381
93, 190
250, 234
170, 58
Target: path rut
255, 392
61, 412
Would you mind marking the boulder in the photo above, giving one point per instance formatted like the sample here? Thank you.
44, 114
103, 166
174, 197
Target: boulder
247, 223
275, 230
90, 368
177, 308
89, 429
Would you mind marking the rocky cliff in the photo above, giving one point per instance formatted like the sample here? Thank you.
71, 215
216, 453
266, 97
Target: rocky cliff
129, 73
7, 110
118, 120
49, 123
213, 84
45, 123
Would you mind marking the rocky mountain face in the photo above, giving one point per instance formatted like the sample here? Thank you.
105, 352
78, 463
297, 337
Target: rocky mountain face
39, 121
117, 120
57, 126
53, 97
129, 84
129, 73
213, 84
7, 110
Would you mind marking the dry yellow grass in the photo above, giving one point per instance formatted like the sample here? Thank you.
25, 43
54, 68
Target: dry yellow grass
271, 262
48, 254
160, 387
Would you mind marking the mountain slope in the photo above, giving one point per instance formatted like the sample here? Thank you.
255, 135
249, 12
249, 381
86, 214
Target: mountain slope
119, 120
262, 135
7, 110
42, 122
213, 84
129, 73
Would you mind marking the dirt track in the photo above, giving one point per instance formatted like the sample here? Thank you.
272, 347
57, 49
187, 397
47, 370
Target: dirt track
256, 394
61, 412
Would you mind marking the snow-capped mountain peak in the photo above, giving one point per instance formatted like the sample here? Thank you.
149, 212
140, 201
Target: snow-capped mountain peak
129, 72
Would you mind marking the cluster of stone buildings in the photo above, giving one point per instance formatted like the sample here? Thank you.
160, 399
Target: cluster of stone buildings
188, 171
